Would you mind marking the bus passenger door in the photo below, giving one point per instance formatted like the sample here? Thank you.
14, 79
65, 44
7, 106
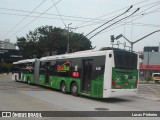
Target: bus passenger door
87, 75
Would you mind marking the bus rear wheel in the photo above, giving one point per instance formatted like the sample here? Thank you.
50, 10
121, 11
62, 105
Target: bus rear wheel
63, 87
74, 89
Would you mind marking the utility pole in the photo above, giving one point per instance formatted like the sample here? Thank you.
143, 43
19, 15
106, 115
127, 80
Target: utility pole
68, 37
68, 42
147, 74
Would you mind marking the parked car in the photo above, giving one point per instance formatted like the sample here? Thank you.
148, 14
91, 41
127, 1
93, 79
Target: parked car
156, 77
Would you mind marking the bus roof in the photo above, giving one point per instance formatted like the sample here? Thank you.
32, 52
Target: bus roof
15, 63
26, 61
75, 55
86, 53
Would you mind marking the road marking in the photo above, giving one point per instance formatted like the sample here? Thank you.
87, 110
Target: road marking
152, 89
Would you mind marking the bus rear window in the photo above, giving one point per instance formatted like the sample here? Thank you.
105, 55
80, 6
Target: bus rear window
125, 60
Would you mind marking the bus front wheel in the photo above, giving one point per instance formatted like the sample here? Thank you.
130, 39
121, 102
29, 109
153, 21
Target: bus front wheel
74, 89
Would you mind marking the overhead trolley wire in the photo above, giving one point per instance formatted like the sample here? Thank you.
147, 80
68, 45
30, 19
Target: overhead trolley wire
41, 17
49, 14
138, 24
136, 18
59, 14
36, 18
114, 23
76, 17
111, 13
110, 20
24, 18
98, 22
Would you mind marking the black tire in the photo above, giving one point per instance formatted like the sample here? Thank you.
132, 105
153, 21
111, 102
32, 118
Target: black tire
156, 81
63, 88
74, 89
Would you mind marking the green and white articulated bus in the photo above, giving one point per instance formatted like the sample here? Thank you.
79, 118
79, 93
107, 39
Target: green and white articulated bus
26, 71
99, 74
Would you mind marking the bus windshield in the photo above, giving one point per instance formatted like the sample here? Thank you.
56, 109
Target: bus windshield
125, 60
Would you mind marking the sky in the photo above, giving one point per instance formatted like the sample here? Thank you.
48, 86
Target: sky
18, 17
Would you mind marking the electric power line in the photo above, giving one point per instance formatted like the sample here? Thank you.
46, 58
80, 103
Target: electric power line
94, 23
117, 11
36, 18
42, 17
147, 0
140, 24
24, 18
91, 19
59, 14
76, 17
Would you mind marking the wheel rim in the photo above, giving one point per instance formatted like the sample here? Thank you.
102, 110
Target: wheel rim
63, 88
74, 89
28, 81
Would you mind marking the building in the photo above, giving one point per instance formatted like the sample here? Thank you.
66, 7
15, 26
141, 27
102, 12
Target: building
6, 44
151, 49
8, 55
151, 62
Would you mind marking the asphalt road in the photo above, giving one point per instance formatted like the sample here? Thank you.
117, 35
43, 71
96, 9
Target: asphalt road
149, 91
17, 96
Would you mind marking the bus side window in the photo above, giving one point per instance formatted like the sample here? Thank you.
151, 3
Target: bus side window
42, 68
53, 68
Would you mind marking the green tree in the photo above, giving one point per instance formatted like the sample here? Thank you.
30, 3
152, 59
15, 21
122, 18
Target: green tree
46, 39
